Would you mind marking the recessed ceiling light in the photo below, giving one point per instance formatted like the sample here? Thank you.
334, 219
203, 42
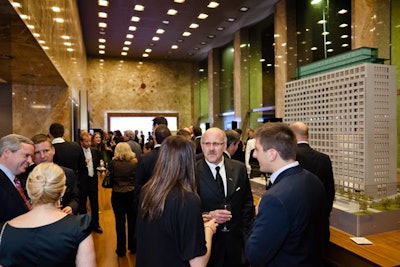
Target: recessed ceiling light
314, 48
172, 12
194, 26
174, 47
103, 3
342, 11
135, 19
160, 31
69, 49
179, 1
55, 9
196, 48
344, 36
155, 38
148, 50
125, 48
102, 47
220, 28
30, 26
325, 33
101, 52
230, 19
127, 43
124, 53
45, 47
343, 25
41, 41
132, 28
101, 40
102, 25
129, 36
330, 50
322, 21
65, 37
186, 34
345, 45
211, 36
59, 20
37, 35
179, 41
138, 8
166, 22
244, 9
328, 42
102, 15
213, 4
16, 4
145, 55
203, 43
152, 44
67, 43
202, 16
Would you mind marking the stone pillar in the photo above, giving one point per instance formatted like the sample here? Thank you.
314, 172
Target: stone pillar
214, 107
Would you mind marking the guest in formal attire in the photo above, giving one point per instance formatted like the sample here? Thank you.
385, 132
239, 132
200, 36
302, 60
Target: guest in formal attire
197, 133
158, 121
288, 230
224, 181
122, 170
16, 153
183, 132
129, 137
170, 229
316, 162
68, 154
46, 236
239, 154
232, 143
88, 184
44, 152
100, 144
149, 146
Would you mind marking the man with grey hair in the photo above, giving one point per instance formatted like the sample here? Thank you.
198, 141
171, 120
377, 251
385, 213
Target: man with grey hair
129, 137
16, 153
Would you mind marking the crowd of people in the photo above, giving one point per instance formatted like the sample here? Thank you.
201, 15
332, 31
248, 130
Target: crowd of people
179, 199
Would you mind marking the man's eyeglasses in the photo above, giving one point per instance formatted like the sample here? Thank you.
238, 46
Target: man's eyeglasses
215, 144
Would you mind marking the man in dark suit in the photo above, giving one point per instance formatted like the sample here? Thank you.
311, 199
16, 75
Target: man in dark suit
88, 184
16, 153
233, 189
316, 162
147, 161
288, 230
44, 152
232, 143
68, 154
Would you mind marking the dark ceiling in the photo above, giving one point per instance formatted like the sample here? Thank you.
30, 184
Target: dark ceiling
214, 31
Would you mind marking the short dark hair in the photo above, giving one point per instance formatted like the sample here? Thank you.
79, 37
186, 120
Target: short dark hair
197, 131
160, 120
56, 130
232, 137
161, 133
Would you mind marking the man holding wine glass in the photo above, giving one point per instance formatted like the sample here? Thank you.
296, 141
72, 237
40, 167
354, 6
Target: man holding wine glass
225, 194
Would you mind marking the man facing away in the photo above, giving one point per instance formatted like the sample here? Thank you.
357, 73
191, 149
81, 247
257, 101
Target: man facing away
16, 153
288, 229
232, 143
316, 162
224, 181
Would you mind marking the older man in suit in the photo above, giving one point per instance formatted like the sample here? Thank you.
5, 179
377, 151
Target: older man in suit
288, 230
16, 153
224, 181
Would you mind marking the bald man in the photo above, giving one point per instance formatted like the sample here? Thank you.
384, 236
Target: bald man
316, 162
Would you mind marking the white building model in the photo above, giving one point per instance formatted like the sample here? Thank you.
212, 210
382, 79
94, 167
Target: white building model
351, 115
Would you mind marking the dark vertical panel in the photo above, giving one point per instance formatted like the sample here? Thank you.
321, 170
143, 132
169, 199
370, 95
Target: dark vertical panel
5, 109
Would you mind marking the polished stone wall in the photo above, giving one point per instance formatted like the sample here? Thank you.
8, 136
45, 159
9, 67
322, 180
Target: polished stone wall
115, 85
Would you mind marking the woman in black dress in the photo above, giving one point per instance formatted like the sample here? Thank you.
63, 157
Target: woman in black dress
170, 228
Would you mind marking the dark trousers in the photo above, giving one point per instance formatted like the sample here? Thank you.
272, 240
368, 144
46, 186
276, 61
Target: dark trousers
124, 212
89, 191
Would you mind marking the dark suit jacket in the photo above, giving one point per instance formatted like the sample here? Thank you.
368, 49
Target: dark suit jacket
70, 155
145, 170
229, 245
288, 230
86, 183
320, 164
12, 204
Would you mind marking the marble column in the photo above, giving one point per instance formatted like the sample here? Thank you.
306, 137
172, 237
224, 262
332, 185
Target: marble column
213, 89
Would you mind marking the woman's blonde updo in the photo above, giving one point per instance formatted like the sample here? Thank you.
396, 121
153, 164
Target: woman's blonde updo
46, 183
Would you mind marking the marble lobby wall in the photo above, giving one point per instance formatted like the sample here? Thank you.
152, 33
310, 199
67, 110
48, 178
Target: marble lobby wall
115, 86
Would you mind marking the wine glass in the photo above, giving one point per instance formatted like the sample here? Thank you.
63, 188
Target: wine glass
226, 206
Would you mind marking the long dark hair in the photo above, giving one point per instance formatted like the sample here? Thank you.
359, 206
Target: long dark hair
174, 169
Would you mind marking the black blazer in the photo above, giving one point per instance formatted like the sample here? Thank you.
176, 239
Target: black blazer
70, 155
12, 204
240, 198
71, 196
84, 181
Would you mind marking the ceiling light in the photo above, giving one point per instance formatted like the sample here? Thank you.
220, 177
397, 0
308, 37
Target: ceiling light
30, 26
132, 28
211, 36
16, 4
179, 41
174, 47
220, 28
186, 34
41, 41
160, 31
138, 8
55, 9
124, 53
322, 21
148, 50
325, 33
342, 11
344, 36
67, 43
102, 47
127, 43
262, 60
202, 16
179, 1
36, 35
230, 19
213, 4
172, 12
166, 22
102, 15
328, 42
125, 48
59, 20
23, 16
203, 43
196, 48
102, 52
152, 44
345, 45
129, 36
103, 3
102, 40
314, 48
45, 47
244, 9
102, 25
194, 26
145, 55
65, 37
343, 25
135, 19
314, 2
69, 49
330, 50
155, 38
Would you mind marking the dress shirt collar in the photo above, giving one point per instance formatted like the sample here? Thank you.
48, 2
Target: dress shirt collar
8, 172
158, 145
276, 173
212, 166
302, 142
58, 140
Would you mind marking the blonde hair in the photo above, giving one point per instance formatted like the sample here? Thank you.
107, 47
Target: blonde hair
46, 183
124, 152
